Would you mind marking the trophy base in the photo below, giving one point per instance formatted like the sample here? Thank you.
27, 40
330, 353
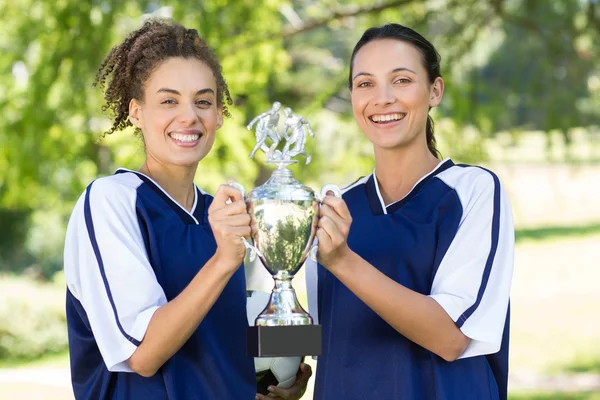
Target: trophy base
284, 341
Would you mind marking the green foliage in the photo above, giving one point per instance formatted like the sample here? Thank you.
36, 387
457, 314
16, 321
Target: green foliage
13, 231
32, 319
502, 69
556, 232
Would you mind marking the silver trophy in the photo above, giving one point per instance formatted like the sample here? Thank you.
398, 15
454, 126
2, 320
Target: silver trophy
283, 222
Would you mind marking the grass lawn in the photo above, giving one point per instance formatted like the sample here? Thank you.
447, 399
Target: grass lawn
555, 302
555, 396
34, 392
50, 360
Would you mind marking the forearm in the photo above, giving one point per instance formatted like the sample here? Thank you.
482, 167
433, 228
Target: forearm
173, 323
417, 317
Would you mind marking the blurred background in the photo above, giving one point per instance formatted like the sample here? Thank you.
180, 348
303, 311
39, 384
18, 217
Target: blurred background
522, 98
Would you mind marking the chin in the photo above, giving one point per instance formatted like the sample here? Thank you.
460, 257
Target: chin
392, 142
187, 161
387, 144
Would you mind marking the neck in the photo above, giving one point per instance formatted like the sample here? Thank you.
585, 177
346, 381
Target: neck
398, 170
177, 181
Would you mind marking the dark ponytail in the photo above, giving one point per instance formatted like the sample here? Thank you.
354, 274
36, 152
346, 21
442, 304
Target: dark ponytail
431, 144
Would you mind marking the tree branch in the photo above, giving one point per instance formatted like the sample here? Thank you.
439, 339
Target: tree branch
288, 31
349, 11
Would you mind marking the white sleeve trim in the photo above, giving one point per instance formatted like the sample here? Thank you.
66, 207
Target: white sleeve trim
117, 361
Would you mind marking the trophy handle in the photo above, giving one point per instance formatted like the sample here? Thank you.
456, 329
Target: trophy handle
330, 187
250, 248
337, 193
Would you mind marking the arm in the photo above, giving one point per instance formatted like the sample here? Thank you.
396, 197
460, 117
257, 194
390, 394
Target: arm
286, 128
310, 131
457, 319
173, 324
249, 126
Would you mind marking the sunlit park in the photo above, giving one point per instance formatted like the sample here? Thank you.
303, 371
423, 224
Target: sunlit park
522, 98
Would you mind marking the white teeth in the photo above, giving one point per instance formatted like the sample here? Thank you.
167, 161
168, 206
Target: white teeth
387, 117
185, 138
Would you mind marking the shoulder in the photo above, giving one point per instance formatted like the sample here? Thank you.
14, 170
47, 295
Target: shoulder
116, 192
358, 183
109, 200
470, 180
121, 182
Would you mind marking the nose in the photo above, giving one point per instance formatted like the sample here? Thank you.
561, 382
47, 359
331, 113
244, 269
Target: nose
188, 115
384, 96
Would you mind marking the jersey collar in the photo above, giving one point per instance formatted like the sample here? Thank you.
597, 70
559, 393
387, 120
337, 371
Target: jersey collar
193, 217
378, 206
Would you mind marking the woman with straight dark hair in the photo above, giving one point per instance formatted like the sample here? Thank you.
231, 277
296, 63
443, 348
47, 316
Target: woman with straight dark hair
415, 259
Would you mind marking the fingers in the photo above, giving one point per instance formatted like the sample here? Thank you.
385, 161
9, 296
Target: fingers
306, 370
235, 231
279, 393
333, 224
328, 213
339, 205
295, 391
236, 207
237, 219
324, 240
224, 193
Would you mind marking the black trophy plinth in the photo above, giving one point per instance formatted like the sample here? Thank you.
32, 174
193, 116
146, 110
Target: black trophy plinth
284, 341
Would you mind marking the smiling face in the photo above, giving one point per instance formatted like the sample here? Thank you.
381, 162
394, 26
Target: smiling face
179, 114
391, 94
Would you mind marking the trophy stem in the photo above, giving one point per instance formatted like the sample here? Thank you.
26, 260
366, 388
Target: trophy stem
283, 307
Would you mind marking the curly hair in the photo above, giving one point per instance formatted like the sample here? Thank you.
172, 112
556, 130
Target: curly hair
128, 66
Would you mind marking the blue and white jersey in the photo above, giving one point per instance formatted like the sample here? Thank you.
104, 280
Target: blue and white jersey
130, 248
451, 238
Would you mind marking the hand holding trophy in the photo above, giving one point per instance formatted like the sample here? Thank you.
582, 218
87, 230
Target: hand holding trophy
283, 220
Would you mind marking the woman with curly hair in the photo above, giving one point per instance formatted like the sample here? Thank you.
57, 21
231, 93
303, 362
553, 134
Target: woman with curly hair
156, 298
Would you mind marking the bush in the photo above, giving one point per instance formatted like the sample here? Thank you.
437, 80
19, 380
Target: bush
32, 318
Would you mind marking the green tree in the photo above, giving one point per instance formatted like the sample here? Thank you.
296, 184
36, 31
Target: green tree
296, 52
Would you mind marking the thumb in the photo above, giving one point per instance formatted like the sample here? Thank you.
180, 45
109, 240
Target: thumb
226, 193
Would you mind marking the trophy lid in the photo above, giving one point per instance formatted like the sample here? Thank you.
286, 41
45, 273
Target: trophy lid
282, 186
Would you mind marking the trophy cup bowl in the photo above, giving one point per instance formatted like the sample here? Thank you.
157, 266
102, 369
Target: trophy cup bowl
283, 216
282, 213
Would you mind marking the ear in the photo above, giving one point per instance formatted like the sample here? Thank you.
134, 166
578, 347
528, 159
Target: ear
436, 92
219, 117
135, 113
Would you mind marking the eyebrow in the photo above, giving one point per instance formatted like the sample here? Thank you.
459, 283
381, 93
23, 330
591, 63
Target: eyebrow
399, 69
173, 91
